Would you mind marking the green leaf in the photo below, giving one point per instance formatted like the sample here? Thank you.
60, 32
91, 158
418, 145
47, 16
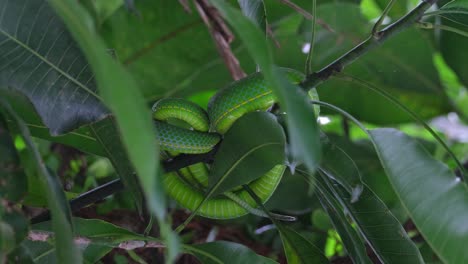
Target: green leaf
120, 91
302, 127
60, 211
455, 11
107, 135
338, 165
98, 231
436, 201
321, 220
372, 173
451, 44
352, 241
298, 249
161, 61
20, 224
13, 180
399, 8
255, 11
283, 201
41, 61
253, 145
226, 252
382, 231
7, 239
81, 138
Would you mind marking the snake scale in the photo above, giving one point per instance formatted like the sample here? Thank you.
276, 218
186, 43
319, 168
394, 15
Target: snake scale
184, 127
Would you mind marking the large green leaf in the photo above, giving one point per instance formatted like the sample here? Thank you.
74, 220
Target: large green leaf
456, 11
81, 138
298, 249
302, 127
337, 164
253, 145
353, 242
40, 60
120, 91
255, 10
372, 174
455, 15
380, 228
60, 211
13, 180
161, 60
436, 201
226, 252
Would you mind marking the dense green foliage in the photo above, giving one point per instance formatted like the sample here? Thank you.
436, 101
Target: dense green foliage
82, 176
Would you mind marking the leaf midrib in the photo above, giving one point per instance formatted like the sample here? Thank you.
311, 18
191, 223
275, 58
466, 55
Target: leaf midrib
23, 45
240, 160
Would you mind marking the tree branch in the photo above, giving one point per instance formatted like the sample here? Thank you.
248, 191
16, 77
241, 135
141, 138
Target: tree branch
112, 187
373, 41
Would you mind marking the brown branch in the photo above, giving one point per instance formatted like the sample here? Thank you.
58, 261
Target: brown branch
222, 37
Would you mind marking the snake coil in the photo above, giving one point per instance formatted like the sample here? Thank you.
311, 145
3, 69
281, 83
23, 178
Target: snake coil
184, 127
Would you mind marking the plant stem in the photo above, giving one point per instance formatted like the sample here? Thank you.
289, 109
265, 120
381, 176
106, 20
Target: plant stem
373, 41
114, 186
312, 39
382, 17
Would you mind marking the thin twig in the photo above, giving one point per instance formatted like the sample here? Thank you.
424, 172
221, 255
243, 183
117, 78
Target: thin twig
312, 39
100, 193
379, 22
222, 37
373, 41
307, 15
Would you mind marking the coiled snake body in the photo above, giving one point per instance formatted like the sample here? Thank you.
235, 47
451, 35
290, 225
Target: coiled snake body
188, 185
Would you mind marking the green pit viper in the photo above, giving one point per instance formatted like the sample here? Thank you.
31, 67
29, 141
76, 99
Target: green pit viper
188, 185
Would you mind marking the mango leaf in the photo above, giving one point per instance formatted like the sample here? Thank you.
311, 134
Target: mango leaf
338, 165
161, 61
40, 60
226, 252
352, 241
253, 145
60, 211
7, 239
382, 231
255, 11
372, 174
302, 126
435, 199
455, 15
298, 249
81, 138
455, 11
120, 92
13, 180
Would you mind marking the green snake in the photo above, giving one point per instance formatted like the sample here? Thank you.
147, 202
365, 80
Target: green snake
184, 127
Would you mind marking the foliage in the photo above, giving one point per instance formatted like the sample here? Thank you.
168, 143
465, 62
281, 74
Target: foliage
77, 79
